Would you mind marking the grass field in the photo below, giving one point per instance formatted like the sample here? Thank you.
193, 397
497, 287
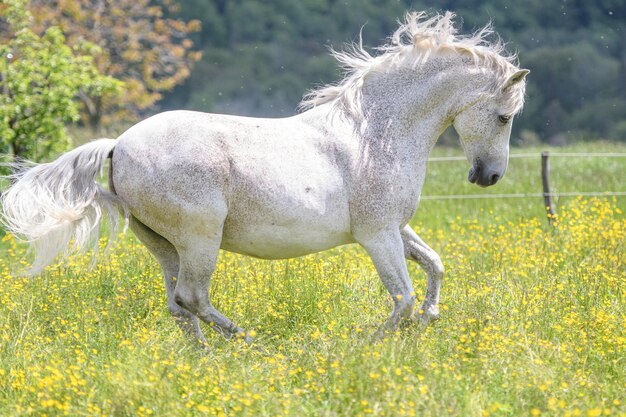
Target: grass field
533, 319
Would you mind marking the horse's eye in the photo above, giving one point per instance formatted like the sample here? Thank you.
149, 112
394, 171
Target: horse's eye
504, 119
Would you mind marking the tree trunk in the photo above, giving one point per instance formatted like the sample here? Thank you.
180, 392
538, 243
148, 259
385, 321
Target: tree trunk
94, 111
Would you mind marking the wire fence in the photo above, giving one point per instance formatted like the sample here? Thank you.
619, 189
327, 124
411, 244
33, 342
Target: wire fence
524, 195
532, 195
538, 155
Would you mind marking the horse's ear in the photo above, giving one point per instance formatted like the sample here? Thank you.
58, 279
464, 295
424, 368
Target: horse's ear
517, 77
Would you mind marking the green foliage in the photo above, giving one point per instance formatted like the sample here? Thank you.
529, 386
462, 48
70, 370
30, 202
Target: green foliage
149, 53
40, 78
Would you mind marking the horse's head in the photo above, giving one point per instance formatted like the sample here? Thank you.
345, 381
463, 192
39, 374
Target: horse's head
485, 128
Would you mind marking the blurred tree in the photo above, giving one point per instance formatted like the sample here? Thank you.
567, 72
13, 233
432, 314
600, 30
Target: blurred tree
141, 47
259, 58
40, 77
575, 89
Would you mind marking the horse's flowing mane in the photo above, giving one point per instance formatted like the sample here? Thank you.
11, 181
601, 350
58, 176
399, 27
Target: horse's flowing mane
421, 36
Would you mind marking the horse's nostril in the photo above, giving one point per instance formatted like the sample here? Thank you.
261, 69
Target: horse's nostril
474, 172
494, 178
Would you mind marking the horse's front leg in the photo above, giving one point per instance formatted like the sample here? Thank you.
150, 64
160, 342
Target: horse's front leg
416, 250
387, 252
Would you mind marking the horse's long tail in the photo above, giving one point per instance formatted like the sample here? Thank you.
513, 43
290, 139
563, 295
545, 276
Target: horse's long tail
49, 205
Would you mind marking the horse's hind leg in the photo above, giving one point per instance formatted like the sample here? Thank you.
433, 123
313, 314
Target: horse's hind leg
167, 256
416, 250
198, 257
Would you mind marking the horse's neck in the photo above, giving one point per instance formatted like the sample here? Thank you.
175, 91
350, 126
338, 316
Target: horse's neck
407, 109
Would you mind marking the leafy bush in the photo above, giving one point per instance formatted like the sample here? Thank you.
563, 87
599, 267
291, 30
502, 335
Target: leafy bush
40, 79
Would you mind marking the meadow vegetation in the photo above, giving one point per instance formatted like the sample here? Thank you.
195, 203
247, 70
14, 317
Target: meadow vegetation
533, 319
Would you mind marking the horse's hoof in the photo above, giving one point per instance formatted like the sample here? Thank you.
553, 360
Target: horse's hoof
379, 334
246, 336
426, 315
204, 346
383, 331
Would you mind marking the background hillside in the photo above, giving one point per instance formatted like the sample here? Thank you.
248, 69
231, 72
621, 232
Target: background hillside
259, 58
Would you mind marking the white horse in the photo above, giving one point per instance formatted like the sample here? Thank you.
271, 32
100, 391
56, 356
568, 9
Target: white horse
350, 169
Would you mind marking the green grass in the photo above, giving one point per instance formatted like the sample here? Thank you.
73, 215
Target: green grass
532, 320
568, 174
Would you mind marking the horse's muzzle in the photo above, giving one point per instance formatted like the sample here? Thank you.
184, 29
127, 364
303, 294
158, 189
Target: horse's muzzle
480, 175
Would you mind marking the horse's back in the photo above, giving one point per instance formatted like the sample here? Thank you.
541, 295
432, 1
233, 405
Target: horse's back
273, 184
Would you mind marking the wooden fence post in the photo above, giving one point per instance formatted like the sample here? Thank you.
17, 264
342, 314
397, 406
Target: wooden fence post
545, 180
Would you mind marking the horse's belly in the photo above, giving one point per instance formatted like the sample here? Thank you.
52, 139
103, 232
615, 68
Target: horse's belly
275, 242
286, 228
283, 206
